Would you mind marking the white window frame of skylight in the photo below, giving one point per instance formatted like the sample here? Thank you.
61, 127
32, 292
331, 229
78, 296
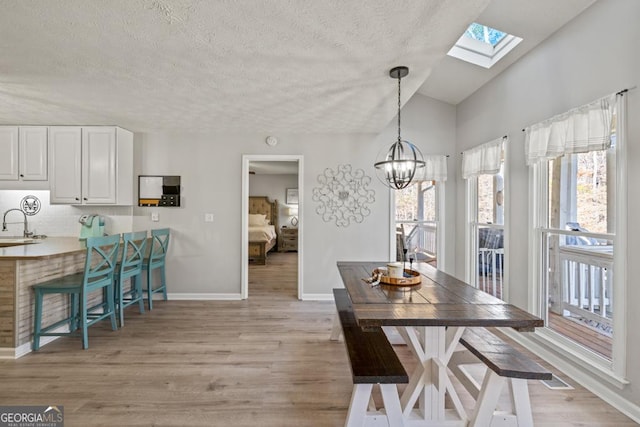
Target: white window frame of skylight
481, 53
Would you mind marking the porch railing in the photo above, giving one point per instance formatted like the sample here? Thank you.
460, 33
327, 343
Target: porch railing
586, 273
490, 266
421, 239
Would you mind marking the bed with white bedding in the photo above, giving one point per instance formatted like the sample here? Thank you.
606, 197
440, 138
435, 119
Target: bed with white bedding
263, 226
262, 233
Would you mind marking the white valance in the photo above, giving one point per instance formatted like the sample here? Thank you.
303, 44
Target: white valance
483, 159
435, 168
583, 129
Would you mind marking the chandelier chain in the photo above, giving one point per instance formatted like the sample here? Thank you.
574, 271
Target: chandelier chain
399, 137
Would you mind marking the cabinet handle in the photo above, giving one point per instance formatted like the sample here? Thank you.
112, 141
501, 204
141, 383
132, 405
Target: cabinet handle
21, 175
85, 198
77, 199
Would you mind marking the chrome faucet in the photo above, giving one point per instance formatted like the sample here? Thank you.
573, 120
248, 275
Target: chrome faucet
26, 232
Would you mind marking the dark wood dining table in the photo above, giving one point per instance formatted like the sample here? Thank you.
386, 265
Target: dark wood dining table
431, 318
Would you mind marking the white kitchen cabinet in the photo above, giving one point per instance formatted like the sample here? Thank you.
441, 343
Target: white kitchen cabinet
99, 165
91, 165
65, 165
9, 150
33, 143
24, 153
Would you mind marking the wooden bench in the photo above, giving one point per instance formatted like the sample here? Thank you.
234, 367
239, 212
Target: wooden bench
373, 361
505, 364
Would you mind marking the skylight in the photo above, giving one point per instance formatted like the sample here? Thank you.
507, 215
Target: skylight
483, 46
484, 34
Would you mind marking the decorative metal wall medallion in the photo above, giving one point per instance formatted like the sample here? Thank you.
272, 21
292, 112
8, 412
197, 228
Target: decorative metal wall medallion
30, 205
343, 195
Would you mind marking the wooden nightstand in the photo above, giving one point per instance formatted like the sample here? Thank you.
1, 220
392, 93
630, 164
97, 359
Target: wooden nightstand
288, 240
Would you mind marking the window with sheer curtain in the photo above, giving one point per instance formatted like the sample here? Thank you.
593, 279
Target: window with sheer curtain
580, 130
483, 169
483, 159
576, 160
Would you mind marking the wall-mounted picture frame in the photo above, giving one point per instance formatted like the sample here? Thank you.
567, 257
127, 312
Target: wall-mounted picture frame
292, 196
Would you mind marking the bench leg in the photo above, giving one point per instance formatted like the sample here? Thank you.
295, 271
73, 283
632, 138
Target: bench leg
336, 328
487, 399
392, 406
362, 403
521, 402
358, 407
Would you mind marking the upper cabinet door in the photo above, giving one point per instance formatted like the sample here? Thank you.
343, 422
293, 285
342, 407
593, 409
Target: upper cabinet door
33, 153
65, 158
9, 150
99, 159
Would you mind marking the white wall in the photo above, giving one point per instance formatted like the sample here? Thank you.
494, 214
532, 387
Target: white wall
205, 257
594, 55
274, 187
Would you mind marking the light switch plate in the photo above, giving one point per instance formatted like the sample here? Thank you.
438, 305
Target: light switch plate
208, 217
155, 216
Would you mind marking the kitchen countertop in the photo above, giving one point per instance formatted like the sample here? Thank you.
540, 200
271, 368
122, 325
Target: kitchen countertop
42, 249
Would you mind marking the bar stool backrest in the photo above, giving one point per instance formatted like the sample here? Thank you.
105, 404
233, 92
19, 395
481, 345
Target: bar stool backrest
159, 247
133, 252
100, 264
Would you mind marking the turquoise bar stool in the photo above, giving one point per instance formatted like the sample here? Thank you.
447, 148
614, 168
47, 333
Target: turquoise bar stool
134, 248
98, 274
156, 260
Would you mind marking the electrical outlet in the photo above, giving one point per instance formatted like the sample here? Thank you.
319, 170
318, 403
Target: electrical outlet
155, 216
208, 217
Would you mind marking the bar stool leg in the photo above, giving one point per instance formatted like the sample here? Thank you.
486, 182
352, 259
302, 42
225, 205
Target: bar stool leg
149, 288
163, 281
37, 318
83, 320
136, 284
111, 307
73, 313
120, 305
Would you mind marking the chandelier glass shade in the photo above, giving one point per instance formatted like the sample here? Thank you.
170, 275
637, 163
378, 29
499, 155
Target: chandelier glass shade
400, 164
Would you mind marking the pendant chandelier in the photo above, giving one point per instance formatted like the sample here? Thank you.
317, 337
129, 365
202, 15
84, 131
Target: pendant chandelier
399, 165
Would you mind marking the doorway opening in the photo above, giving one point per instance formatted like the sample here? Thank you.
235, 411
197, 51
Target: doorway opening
272, 195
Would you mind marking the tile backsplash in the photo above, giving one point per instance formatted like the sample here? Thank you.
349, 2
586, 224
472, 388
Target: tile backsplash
59, 220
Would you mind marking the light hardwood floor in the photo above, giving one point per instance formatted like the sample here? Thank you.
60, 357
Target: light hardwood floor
265, 361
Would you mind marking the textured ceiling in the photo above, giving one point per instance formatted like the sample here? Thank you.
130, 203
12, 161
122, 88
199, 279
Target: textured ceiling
243, 65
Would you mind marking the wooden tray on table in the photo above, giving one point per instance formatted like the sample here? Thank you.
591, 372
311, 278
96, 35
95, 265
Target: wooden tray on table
412, 279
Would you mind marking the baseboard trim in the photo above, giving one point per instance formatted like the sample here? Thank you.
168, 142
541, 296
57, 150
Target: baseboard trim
317, 297
587, 380
232, 297
7, 353
18, 352
203, 297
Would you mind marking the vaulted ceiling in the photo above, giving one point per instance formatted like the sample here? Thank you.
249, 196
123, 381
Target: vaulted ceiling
241, 65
